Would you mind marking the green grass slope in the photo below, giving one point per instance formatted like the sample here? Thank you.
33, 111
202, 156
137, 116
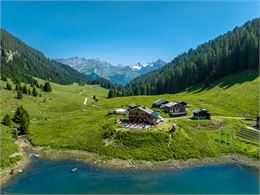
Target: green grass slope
60, 120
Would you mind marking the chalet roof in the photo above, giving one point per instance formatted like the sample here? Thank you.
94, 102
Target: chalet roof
159, 102
181, 102
148, 111
170, 104
199, 110
132, 105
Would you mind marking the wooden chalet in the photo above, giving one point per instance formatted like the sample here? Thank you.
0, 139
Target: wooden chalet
199, 114
175, 108
143, 114
158, 103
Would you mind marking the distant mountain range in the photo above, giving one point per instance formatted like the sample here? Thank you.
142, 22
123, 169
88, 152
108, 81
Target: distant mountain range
21, 62
95, 68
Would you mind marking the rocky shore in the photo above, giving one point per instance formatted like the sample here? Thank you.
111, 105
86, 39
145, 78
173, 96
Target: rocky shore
103, 162
100, 161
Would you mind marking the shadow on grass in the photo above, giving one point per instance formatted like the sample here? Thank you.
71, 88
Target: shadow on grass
227, 81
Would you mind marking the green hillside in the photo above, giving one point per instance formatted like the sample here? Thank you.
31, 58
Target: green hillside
60, 120
234, 51
22, 62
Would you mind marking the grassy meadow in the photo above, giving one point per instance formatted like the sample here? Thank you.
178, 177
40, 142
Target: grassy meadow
60, 120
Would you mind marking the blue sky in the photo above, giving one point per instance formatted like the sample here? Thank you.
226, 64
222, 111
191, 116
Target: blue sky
122, 32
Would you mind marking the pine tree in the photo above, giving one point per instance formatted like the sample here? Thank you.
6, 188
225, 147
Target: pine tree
18, 114
17, 86
29, 91
35, 82
8, 86
24, 90
19, 94
24, 125
47, 87
34, 92
7, 120
21, 117
110, 93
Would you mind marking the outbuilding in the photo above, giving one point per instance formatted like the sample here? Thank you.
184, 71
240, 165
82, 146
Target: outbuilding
158, 103
199, 114
121, 111
175, 108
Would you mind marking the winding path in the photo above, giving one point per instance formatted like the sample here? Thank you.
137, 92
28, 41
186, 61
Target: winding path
85, 101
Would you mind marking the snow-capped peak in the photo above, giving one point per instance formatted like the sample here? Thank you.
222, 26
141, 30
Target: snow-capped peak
147, 65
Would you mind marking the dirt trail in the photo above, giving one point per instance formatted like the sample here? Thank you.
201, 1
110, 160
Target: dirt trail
170, 140
229, 117
85, 101
82, 91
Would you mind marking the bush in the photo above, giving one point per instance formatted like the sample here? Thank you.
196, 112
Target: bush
24, 90
18, 86
34, 92
35, 83
4, 78
108, 133
47, 87
19, 94
29, 91
7, 120
8, 86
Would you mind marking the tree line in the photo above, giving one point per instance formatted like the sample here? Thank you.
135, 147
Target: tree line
32, 90
231, 52
20, 61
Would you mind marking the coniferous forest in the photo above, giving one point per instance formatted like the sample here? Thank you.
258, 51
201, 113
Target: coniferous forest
234, 51
21, 62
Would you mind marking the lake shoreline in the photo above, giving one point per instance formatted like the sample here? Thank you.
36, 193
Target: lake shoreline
23, 150
102, 161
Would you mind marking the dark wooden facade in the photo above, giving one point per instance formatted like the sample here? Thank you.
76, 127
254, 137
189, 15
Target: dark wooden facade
142, 114
200, 114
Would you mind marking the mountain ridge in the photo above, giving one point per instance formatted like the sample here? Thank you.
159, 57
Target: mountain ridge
22, 62
116, 74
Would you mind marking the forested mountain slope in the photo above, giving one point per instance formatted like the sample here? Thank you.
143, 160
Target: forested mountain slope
231, 52
20, 61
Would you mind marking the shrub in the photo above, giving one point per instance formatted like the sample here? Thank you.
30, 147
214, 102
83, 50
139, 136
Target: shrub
47, 87
35, 83
29, 91
19, 94
34, 92
4, 78
108, 133
8, 86
18, 86
7, 120
24, 90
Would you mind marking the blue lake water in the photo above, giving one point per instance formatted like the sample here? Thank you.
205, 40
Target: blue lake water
45, 176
